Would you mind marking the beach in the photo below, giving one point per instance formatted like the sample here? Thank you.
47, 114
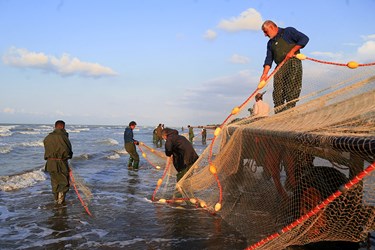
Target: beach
123, 215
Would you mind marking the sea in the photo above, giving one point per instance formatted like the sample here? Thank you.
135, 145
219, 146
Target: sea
122, 213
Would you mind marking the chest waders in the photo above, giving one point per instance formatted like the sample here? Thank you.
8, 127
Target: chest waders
287, 83
133, 162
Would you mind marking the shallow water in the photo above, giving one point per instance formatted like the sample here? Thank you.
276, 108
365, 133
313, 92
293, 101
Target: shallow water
123, 216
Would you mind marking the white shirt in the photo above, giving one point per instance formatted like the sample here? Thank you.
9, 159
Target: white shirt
261, 109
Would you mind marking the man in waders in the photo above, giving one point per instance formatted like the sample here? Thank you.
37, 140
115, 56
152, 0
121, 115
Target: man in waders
182, 150
57, 151
130, 146
191, 134
284, 44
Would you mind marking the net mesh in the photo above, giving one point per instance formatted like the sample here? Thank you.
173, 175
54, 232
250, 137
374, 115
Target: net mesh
303, 174
81, 189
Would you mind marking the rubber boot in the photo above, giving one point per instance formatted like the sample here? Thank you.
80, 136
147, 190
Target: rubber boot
130, 163
136, 165
60, 198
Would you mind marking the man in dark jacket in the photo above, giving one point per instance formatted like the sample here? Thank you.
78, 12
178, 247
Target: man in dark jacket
182, 150
159, 139
284, 44
130, 146
57, 151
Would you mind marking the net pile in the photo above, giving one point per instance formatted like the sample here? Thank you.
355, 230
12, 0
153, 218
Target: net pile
299, 176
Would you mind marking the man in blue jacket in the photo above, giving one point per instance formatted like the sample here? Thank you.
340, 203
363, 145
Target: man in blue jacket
284, 44
130, 146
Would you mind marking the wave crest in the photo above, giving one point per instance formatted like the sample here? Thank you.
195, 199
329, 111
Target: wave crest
14, 182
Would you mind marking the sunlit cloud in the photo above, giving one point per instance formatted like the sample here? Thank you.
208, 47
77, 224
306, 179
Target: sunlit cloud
66, 65
369, 37
366, 52
238, 59
9, 110
221, 91
247, 20
210, 35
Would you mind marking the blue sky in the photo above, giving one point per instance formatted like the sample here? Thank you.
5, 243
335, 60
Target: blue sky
175, 62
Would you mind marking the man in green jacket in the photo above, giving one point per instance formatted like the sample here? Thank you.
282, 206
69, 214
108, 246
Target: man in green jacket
57, 151
191, 134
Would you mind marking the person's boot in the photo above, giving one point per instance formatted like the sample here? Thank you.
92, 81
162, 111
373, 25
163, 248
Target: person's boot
60, 198
136, 165
130, 163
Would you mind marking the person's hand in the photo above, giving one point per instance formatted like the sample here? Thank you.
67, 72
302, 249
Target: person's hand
136, 142
289, 55
263, 77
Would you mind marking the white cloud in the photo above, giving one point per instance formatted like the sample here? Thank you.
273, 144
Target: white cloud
210, 35
9, 110
65, 65
238, 59
369, 37
247, 20
367, 51
219, 91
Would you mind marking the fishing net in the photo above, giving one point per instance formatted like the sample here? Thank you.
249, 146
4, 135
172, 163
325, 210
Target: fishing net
155, 157
80, 187
303, 174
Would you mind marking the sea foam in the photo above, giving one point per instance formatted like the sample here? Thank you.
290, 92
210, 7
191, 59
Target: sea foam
14, 182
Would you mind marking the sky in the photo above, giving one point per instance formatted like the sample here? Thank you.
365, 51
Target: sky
175, 62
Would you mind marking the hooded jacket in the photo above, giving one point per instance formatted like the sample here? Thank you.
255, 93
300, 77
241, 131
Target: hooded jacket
182, 150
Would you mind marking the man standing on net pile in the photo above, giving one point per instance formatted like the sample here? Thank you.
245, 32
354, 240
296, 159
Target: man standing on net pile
57, 151
130, 143
284, 44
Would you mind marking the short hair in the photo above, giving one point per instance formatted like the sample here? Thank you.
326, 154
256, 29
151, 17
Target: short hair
59, 123
167, 131
268, 23
259, 96
132, 123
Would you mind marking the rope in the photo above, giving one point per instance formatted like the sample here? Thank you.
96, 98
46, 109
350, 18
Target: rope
317, 208
339, 64
78, 195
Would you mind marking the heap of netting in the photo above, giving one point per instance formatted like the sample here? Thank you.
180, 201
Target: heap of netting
298, 176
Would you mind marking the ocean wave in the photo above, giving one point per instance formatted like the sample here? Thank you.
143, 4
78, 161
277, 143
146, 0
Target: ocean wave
5, 130
30, 132
5, 149
113, 156
77, 130
109, 141
82, 157
19, 181
121, 151
32, 144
